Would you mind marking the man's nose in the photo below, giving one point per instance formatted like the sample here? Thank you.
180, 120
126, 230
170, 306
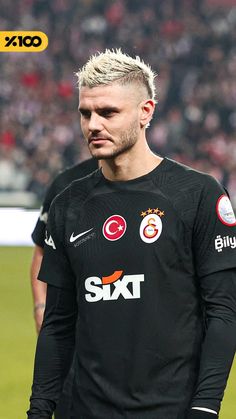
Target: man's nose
95, 122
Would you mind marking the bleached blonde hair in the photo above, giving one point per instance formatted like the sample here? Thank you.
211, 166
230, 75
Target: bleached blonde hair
115, 66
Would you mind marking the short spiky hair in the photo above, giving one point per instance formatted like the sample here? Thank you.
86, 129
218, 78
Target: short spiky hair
113, 65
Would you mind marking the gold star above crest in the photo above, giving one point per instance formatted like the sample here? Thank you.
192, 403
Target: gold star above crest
149, 211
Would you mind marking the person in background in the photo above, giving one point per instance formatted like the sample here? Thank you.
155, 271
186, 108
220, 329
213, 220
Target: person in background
39, 288
38, 236
140, 265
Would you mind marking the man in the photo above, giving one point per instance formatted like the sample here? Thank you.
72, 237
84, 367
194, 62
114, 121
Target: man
39, 288
140, 267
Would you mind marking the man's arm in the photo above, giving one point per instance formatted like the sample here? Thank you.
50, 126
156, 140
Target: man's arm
218, 349
55, 344
39, 288
54, 351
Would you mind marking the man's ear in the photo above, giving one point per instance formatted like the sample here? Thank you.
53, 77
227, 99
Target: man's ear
147, 110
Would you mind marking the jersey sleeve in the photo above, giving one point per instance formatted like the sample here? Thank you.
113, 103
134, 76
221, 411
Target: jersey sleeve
55, 348
38, 234
55, 268
218, 348
214, 234
58, 185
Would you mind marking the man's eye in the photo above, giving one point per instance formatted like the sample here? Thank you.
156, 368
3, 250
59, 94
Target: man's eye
106, 113
85, 114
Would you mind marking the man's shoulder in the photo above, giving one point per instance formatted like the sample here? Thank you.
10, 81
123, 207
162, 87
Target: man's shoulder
186, 176
72, 173
187, 189
77, 190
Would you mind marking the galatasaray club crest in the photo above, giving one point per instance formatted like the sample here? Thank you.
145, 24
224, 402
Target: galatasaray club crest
151, 225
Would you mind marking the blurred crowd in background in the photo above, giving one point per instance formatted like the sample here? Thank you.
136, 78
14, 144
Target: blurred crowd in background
191, 44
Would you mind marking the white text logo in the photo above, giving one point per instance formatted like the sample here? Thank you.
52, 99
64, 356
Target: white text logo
49, 241
73, 238
112, 287
226, 241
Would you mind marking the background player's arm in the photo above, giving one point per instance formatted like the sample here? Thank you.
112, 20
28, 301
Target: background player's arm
39, 288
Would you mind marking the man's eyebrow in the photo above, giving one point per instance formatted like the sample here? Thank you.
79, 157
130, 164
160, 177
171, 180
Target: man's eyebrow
107, 108
100, 108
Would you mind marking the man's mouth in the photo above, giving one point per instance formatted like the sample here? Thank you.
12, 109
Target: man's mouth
98, 140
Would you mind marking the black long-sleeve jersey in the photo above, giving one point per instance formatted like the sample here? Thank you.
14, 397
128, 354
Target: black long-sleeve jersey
142, 283
59, 183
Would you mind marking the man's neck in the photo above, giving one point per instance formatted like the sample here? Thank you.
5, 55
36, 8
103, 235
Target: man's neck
126, 167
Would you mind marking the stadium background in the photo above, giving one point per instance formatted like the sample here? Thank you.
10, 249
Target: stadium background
191, 46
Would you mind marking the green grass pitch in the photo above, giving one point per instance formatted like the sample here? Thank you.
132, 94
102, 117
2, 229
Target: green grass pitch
18, 338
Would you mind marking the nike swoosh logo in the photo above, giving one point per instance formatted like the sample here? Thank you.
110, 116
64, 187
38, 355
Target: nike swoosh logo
73, 238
